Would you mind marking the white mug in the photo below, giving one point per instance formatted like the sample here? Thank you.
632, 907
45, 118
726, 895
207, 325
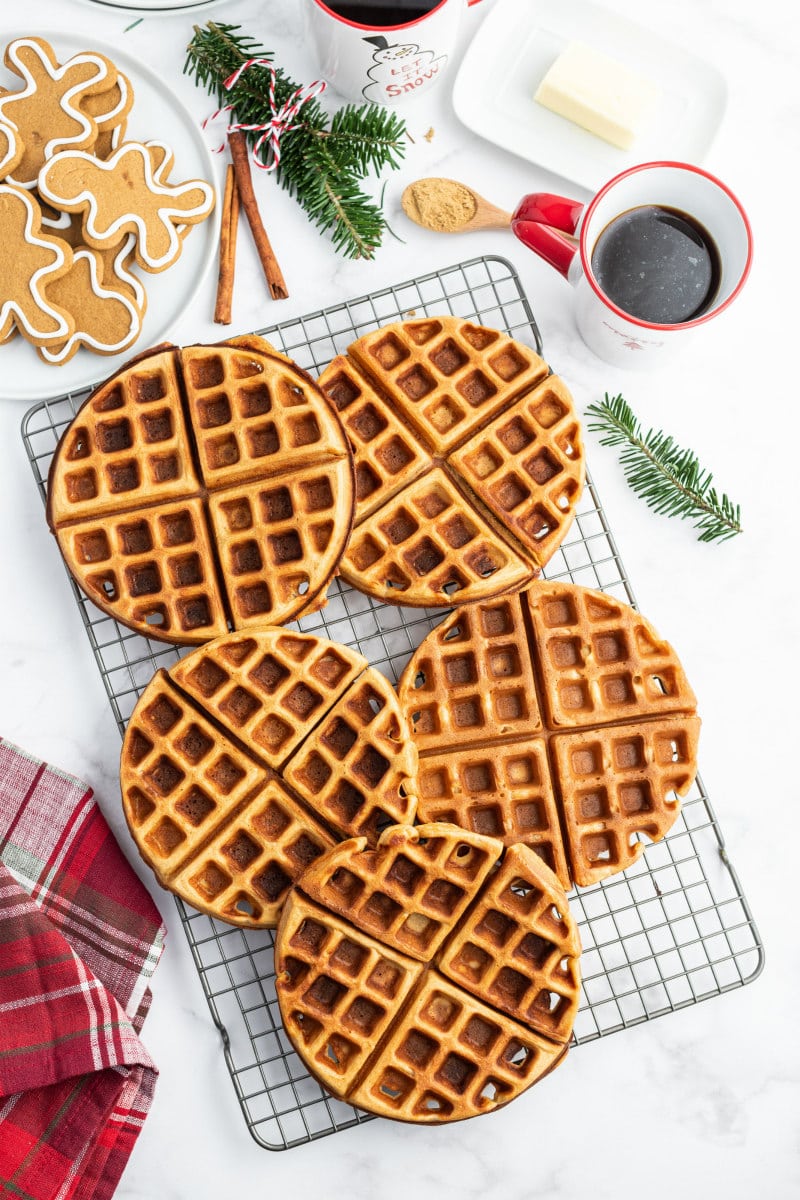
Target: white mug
541, 220
384, 64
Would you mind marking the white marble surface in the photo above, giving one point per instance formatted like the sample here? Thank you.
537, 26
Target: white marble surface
700, 1103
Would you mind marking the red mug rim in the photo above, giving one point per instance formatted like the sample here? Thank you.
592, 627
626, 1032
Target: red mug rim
586, 258
379, 28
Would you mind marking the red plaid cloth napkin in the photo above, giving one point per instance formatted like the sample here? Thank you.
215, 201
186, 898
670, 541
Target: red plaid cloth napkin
79, 939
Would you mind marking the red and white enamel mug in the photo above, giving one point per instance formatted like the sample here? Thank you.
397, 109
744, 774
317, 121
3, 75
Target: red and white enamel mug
541, 220
386, 64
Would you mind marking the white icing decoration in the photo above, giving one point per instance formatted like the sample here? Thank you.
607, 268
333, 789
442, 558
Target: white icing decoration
163, 168
122, 272
108, 118
117, 135
82, 335
56, 74
62, 220
117, 226
10, 133
10, 307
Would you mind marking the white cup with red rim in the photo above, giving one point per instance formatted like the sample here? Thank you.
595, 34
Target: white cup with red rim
541, 221
385, 64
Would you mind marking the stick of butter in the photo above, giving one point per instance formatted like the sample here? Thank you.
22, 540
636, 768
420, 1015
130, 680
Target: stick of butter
598, 93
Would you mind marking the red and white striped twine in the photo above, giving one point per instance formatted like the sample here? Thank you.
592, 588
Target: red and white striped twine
281, 120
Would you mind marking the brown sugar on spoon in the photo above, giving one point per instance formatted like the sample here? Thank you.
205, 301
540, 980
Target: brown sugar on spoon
439, 204
447, 206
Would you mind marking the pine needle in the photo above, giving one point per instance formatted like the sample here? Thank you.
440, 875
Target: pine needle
668, 478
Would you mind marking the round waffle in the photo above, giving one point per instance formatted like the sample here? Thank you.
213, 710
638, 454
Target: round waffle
430, 979
469, 461
202, 489
558, 719
252, 755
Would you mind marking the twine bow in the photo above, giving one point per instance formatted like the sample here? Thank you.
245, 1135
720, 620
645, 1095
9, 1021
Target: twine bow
281, 119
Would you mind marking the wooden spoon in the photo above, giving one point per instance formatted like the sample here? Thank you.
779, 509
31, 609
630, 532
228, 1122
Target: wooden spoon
447, 206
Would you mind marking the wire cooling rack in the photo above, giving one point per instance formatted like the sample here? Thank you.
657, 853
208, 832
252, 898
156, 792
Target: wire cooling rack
671, 931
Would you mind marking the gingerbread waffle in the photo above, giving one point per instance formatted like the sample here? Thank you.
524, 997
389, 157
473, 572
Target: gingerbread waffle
558, 719
468, 458
253, 755
203, 489
431, 978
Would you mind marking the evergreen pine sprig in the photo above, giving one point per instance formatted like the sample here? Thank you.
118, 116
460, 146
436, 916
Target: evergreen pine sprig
323, 159
666, 477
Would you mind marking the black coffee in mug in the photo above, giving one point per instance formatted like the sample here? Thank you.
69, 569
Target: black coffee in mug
381, 13
657, 264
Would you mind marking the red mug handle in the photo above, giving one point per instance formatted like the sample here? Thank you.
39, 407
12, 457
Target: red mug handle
540, 219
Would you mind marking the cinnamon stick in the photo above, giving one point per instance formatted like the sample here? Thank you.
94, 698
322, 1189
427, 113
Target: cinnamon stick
241, 166
227, 249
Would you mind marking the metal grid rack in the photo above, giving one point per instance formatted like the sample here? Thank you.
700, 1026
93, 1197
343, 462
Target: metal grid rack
671, 931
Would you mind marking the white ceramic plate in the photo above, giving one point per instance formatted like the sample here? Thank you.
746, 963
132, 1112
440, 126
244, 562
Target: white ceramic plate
156, 113
517, 43
157, 6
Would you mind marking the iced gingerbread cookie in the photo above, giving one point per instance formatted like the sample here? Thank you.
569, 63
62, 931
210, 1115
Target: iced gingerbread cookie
59, 224
110, 111
126, 194
47, 113
116, 263
162, 159
107, 300
107, 319
30, 262
11, 148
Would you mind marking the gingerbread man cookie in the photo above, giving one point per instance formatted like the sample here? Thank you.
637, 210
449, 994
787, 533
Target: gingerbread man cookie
110, 112
106, 319
59, 224
11, 148
47, 113
126, 194
30, 262
116, 273
162, 160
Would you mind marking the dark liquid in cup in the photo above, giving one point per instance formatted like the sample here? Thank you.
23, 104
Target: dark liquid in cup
381, 13
657, 264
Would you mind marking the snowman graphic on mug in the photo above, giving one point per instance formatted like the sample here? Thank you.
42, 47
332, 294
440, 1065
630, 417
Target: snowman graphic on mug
399, 69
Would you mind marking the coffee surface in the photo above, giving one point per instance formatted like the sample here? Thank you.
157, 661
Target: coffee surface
657, 264
381, 13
